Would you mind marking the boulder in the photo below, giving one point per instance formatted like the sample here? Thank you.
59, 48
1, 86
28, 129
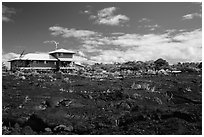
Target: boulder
136, 96
136, 86
22, 77
64, 128
48, 129
125, 106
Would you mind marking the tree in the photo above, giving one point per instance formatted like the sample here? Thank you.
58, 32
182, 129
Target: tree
200, 65
161, 64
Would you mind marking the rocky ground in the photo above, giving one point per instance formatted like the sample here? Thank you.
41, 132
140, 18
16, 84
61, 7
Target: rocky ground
70, 104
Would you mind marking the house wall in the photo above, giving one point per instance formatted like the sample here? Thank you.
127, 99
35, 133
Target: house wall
65, 63
51, 64
36, 63
17, 63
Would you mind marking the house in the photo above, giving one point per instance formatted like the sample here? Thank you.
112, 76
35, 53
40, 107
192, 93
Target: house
58, 59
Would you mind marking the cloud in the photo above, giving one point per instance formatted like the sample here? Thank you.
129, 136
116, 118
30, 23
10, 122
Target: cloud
144, 20
8, 56
66, 33
93, 42
90, 48
87, 10
107, 17
191, 16
129, 40
109, 56
7, 13
117, 33
83, 60
80, 53
187, 47
92, 17
152, 27
170, 31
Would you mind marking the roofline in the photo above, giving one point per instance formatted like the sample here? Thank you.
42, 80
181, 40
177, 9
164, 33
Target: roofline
67, 51
39, 59
33, 60
71, 52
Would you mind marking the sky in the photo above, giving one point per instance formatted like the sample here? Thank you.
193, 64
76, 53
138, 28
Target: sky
105, 32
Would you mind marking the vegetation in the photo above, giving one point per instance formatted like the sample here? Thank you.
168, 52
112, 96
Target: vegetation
149, 65
4, 67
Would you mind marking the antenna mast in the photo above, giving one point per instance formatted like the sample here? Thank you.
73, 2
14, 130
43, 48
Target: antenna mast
52, 41
56, 44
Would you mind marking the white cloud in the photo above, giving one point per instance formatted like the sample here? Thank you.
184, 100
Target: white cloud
138, 40
93, 17
109, 56
93, 42
191, 16
87, 10
171, 30
66, 33
154, 46
90, 48
80, 53
193, 36
83, 60
8, 56
144, 20
107, 17
106, 12
7, 13
117, 33
152, 27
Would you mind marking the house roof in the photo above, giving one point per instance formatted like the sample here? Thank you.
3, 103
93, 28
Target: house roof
44, 56
40, 56
62, 51
36, 56
65, 59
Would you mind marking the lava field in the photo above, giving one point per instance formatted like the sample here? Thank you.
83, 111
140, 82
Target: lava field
49, 104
